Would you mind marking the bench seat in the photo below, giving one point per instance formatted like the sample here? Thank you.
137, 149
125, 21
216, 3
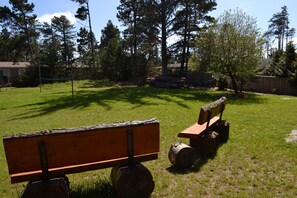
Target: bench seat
196, 130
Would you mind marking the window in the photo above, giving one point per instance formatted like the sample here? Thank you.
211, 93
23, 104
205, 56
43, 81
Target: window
21, 72
6, 72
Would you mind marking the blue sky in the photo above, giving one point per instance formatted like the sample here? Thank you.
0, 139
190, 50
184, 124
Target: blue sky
102, 11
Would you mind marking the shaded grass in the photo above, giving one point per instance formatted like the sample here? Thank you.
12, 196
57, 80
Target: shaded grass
256, 161
97, 187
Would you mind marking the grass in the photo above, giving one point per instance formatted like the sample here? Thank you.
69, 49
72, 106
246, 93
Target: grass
255, 162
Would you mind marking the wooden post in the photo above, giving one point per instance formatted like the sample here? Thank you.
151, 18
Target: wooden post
222, 127
43, 160
207, 144
130, 147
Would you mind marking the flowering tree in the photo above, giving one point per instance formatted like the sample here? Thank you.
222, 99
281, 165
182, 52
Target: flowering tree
232, 47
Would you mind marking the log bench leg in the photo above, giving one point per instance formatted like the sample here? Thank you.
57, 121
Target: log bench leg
222, 128
134, 181
53, 188
182, 155
207, 144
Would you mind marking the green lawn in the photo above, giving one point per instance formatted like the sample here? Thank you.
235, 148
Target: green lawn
255, 162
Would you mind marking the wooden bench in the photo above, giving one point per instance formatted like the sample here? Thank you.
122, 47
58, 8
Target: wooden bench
45, 155
205, 134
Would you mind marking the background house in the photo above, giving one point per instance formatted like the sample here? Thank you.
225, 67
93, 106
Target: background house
10, 71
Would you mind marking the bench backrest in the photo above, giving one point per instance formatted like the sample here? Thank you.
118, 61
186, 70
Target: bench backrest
211, 110
58, 152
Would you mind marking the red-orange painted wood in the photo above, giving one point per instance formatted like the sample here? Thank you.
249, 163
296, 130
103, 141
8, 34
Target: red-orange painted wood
80, 150
196, 130
57, 172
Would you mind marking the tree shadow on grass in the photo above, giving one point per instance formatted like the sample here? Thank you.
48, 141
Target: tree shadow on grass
99, 189
136, 96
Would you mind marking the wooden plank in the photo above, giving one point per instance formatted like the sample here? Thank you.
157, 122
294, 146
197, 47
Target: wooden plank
211, 110
77, 146
57, 172
196, 130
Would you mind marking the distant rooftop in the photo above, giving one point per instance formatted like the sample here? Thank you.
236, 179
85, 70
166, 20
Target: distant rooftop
7, 65
174, 65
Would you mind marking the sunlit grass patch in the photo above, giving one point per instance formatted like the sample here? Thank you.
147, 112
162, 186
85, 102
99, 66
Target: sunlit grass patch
256, 161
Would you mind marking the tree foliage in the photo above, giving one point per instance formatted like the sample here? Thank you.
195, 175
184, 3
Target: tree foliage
166, 14
283, 58
114, 63
232, 47
284, 64
187, 23
140, 35
84, 47
65, 33
7, 46
83, 13
291, 64
279, 28
20, 22
49, 50
57, 48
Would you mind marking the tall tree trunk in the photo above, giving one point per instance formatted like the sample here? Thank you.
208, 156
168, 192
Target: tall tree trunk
279, 42
234, 85
92, 41
28, 38
164, 39
185, 43
182, 64
135, 62
283, 38
188, 51
233, 80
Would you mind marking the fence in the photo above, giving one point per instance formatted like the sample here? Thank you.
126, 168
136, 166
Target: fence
271, 84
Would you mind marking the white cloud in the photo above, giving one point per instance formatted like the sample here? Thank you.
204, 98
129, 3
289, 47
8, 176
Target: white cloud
48, 17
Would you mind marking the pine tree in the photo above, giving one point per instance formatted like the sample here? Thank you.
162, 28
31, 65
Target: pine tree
130, 13
7, 47
49, 52
113, 61
141, 33
108, 33
21, 23
187, 24
65, 33
279, 28
290, 59
166, 14
83, 13
84, 47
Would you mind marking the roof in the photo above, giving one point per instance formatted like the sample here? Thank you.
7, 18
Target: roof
175, 65
11, 65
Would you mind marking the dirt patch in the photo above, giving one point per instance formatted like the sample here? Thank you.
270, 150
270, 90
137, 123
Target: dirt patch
292, 136
114, 84
289, 98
